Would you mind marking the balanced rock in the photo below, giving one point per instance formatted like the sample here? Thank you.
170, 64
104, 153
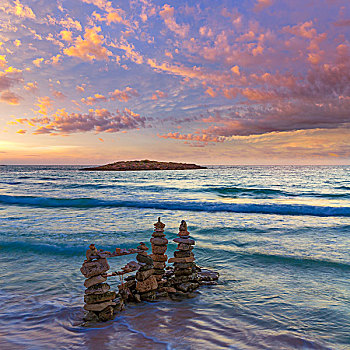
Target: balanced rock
94, 280
143, 275
94, 268
184, 240
159, 241
99, 306
158, 249
106, 314
147, 285
159, 264
159, 257
98, 298
98, 289
182, 260
145, 259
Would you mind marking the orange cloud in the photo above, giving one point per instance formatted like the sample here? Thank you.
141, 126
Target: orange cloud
45, 105
124, 95
80, 88
192, 137
3, 62
95, 99
209, 91
90, 48
37, 62
10, 98
21, 131
158, 94
66, 35
31, 87
18, 10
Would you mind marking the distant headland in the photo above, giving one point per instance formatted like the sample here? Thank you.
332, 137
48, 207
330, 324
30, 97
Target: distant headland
145, 164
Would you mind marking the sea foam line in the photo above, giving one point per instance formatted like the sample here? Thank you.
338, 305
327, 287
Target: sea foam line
279, 209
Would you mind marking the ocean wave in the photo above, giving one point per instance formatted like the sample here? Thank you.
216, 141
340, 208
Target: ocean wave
295, 260
241, 191
278, 209
236, 192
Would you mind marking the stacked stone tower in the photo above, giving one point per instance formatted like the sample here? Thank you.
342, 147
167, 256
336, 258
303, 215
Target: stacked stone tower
159, 247
185, 270
146, 284
98, 299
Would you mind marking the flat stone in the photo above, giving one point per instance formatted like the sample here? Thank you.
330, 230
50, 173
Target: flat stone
158, 277
183, 246
149, 296
159, 258
159, 264
183, 272
208, 283
94, 280
183, 265
143, 275
181, 260
146, 267
207, 275
99, 306
158, 234
158, 249
147, 285
181, 279
98, 298
144, 259
184, 240
171, 290
98, 289
159, 271
188, 286
183, 233
106, 315
94, 268
159, 241
182, 254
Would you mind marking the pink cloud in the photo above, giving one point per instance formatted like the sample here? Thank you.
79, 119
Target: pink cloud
167, 13
99, 120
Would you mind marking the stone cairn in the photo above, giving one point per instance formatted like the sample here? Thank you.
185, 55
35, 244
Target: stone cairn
151, 280
185, 278
146, 285
100, 303
98, 299
159, 247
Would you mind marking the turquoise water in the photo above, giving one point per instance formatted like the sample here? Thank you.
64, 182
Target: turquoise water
278, 236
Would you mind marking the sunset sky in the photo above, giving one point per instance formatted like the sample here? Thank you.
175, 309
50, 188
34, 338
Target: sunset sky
211, 82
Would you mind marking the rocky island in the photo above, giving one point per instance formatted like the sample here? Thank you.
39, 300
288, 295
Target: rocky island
146, 164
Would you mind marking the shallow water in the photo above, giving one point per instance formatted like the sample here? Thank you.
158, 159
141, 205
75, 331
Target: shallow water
278, 236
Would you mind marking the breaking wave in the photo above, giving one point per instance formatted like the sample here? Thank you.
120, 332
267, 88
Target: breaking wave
279, 209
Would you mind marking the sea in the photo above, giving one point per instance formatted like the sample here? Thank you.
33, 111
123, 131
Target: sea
278, 235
